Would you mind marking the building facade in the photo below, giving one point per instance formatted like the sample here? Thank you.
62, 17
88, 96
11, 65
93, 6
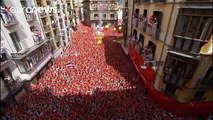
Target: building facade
94, 10
171, 47
33, 33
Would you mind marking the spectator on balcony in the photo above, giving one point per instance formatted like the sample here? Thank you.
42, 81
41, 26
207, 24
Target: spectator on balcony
3, 53
11, 16
5, 15
43, 11
36, 36
54, 23
30, 13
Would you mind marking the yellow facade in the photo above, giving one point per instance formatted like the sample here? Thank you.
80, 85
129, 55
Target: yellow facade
166, 41
51, 32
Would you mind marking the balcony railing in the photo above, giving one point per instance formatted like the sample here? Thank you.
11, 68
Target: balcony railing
37, 38
25, 52
55, 24
30, 16
13, 84
8, 19
4, 58
153, 30
43, 14
47, 28
142, 24
135, 21
174, 79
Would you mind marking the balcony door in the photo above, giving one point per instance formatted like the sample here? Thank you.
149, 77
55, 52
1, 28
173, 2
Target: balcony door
16, 41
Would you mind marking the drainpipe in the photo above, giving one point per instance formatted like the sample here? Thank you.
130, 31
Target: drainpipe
133, 7
167, 30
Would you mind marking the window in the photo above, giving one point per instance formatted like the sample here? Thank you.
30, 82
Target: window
187, 45
43, 21
194, 24
170, 90
32, 28
16, 41
96, 16
208, 78
95, 7
145, 13
21, 67
112, 15
103, 15
181, 25
199, 96
135, 34
141, 43
28, 64
178, 69
33, 59
154, 23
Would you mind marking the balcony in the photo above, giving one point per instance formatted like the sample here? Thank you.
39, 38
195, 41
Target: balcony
142, 24
37, 39
153, 31
8, 19
174, 79
43, 14
46, 28
4, 58
54, 24
30, 16
14, 85
135, 21
22, 54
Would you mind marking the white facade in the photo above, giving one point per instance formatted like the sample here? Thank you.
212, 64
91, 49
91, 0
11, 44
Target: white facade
25, 56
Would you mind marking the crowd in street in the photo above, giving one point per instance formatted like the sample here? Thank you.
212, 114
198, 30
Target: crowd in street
90, 82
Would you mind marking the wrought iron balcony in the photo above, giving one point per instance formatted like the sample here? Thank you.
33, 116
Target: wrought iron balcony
30, 16
37, 39
154, 31
135, 21
22, 54
43, 14
8, 19
47, 28
4, 58
14, 85
174, 79
142, 24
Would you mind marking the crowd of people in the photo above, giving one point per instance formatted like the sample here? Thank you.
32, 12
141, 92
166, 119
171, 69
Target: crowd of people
89, 82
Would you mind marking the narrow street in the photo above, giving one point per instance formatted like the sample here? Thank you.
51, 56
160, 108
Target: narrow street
89, 82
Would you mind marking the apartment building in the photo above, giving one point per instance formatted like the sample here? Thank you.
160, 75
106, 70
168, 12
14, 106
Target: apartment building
171, 47
94, 10
30, 39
